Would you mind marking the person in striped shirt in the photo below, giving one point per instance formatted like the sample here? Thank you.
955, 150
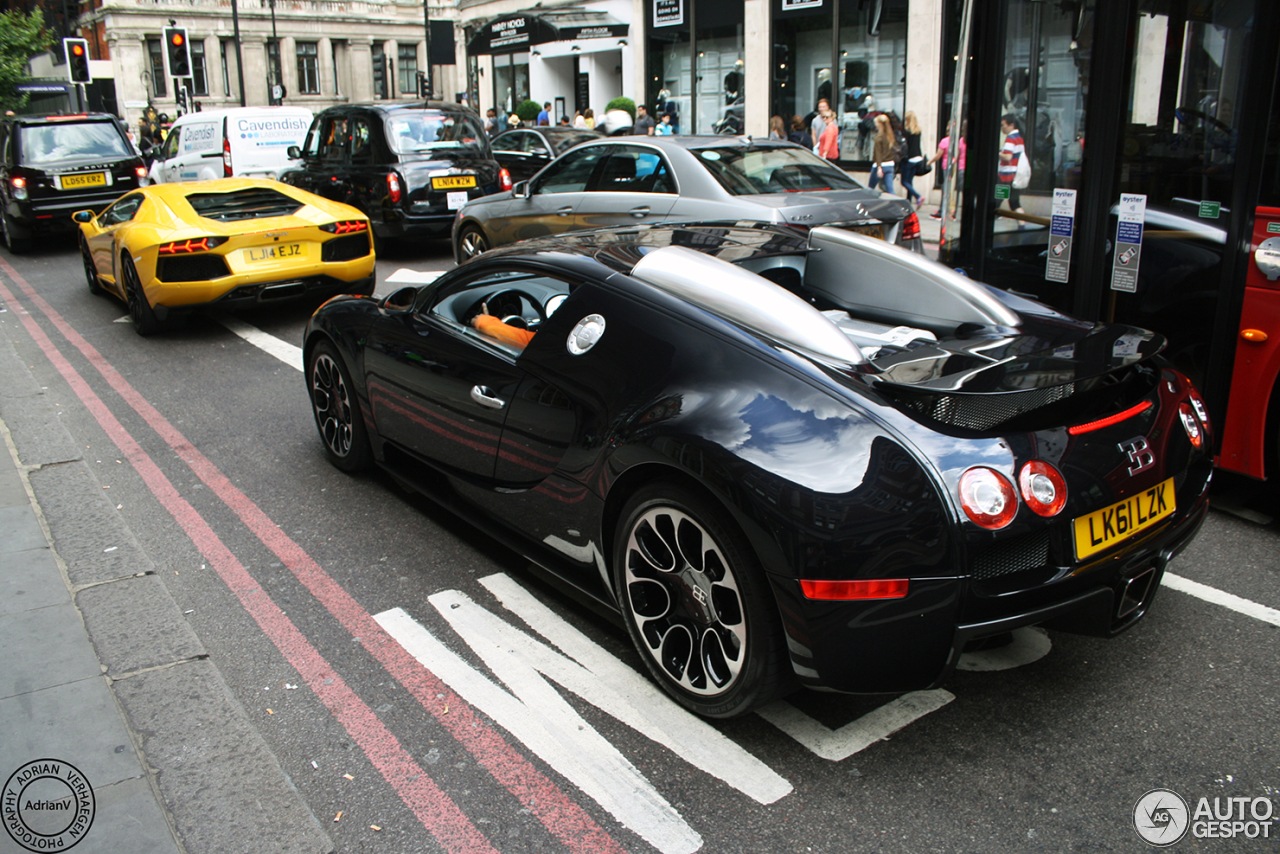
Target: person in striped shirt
1012, 151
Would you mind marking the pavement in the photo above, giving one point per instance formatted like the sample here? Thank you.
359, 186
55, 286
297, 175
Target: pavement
104, 687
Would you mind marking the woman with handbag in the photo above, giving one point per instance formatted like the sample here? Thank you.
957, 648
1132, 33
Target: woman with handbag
912, 159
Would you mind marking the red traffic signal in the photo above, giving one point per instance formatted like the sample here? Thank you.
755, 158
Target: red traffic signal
177, 51
77, 52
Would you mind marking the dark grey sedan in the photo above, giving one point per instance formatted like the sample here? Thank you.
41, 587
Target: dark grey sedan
647, 179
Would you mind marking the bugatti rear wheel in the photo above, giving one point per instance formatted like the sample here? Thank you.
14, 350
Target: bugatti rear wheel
696, 603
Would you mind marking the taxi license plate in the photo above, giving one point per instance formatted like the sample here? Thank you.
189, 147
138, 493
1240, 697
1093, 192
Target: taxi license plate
273, 253
876, 231
84, 179
453, 182
1103, 528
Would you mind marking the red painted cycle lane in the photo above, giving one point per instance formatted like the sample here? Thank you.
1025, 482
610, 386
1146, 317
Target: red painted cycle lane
561, 816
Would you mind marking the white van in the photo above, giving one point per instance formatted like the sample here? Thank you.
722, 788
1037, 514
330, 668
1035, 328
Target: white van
241, 142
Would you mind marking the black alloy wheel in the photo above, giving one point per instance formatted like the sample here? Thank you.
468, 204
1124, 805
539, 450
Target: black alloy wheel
90, 271
696, 603
471, 242
338, 418
143, 315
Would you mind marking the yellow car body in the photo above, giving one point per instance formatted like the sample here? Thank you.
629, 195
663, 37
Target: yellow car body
233, 242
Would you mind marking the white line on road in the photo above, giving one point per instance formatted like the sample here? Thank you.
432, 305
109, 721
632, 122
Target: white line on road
837, 745
285, 352
1221, 597
405, 276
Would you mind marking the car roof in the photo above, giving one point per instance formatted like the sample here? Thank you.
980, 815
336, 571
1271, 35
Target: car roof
411, 106
701, 141
212, 115
57, 118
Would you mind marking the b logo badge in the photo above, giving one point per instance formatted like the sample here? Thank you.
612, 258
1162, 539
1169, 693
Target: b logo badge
1139, 453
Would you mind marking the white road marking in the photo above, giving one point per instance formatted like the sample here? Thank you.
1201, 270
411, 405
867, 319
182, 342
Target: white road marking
837, 745
405, 276
125, 319
631, 698
1028, 645
1221, 597
288, 353
541, 719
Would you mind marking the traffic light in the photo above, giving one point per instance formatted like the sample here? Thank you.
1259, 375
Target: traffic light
177, 51
77, 52
424, 85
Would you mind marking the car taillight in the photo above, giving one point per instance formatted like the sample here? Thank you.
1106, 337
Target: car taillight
873, 588
1090, 426
19, 187
987, 497
1189, 423
346, 226
140, 171
1197, 403
504, 180
911, 226
181, 247
227, 171
1043, 488
393, 187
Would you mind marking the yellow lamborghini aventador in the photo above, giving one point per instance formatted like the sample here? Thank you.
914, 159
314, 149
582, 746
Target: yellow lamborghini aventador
170, 248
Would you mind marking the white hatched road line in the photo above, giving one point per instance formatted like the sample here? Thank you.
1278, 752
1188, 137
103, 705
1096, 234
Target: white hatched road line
1221, 597
288, 353
840, 744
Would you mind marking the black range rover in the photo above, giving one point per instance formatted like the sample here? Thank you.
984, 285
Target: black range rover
407, 166
53, 166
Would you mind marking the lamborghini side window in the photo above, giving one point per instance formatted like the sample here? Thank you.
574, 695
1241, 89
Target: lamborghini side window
121, 211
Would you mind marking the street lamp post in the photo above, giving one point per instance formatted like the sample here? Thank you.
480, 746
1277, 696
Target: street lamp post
426, 47
275, 60
235, 22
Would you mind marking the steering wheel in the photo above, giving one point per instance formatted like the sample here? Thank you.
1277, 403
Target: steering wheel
508, 306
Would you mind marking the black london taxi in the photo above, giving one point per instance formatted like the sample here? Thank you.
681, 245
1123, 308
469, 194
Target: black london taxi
407, 166
53, 166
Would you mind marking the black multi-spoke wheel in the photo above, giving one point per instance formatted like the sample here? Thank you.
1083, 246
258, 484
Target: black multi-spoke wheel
696, 603
340, 423
90, 270
472, 242
141, 313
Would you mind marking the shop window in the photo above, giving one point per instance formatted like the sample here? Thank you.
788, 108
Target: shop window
199, 70
155, 53
408, 68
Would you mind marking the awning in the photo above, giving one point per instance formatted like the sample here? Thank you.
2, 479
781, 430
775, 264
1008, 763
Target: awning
517, 33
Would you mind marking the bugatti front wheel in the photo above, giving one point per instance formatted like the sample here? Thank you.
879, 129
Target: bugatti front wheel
696, 603
338, 418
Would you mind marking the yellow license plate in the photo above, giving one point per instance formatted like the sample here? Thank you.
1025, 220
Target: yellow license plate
876, 231
273, 253
84, 179
1102, 529
453, 182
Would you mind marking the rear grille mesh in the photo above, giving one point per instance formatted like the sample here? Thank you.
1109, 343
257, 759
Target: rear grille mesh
346, 248
192, 268
1009, 556
243, 204
984, 411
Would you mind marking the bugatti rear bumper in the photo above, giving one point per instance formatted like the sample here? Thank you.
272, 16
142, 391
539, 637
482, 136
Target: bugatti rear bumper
913, 643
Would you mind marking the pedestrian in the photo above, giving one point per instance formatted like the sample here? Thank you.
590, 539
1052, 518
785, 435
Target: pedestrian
664, 128
818, 124
544, 117
1011, 153
579, 120
912, 158
941, 155
882, 155
491, 123
829, 139
776, 128
798, 134
589, 119
645, 124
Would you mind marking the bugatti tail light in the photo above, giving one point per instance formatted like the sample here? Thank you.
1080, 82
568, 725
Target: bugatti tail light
870, 588
988, 498
1043, 488
1191, 424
